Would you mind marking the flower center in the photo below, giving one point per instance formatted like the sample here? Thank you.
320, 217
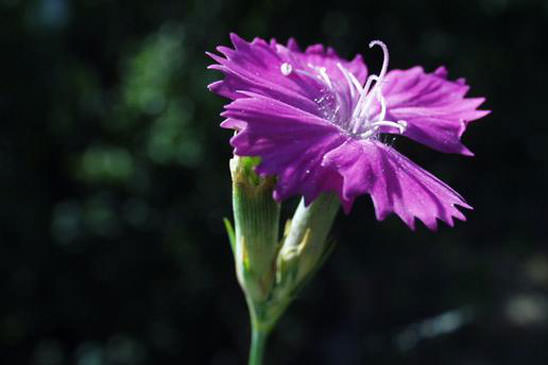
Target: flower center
366, 118
362, 124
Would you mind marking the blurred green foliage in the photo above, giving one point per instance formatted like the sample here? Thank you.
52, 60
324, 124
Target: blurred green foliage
114, 180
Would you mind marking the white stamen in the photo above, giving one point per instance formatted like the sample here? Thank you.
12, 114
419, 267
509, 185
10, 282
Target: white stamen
305, 73
286, 69
380, 98
351, 79
363, 123
368, 133
378, 79
365, 99
370, 79
401, 125
372, 90
384, 67
323, 74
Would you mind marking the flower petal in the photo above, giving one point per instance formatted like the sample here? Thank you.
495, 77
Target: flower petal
257, 67
435, 109
290, 142
317, 55
395, 184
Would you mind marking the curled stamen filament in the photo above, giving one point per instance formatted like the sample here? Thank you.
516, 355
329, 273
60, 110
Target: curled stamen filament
385, 54
401, 125
370, 91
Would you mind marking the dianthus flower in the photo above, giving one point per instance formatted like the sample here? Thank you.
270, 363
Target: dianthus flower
315, 120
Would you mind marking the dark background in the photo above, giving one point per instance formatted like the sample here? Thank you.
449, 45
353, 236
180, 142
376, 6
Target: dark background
114, 180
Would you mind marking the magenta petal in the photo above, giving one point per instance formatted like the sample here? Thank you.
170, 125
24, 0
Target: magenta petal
319, 56
290, 142
395, 184
256, 67
435, 109
292, 45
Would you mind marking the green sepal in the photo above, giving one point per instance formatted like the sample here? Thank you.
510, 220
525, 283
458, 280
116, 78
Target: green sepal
247, 165
330, 246
256, 223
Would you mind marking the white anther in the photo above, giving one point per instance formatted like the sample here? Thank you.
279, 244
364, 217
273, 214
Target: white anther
286, 69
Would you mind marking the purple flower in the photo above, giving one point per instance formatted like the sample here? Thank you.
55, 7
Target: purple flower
315, 120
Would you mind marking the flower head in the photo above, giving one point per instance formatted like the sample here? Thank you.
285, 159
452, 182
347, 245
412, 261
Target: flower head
315, 120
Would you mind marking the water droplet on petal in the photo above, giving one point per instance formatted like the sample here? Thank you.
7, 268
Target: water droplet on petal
286, 69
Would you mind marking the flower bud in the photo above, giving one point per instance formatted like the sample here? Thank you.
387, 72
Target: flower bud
256, 217
271, 271
305, 244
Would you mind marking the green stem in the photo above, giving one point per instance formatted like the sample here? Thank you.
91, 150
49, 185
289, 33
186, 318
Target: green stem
258, 342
